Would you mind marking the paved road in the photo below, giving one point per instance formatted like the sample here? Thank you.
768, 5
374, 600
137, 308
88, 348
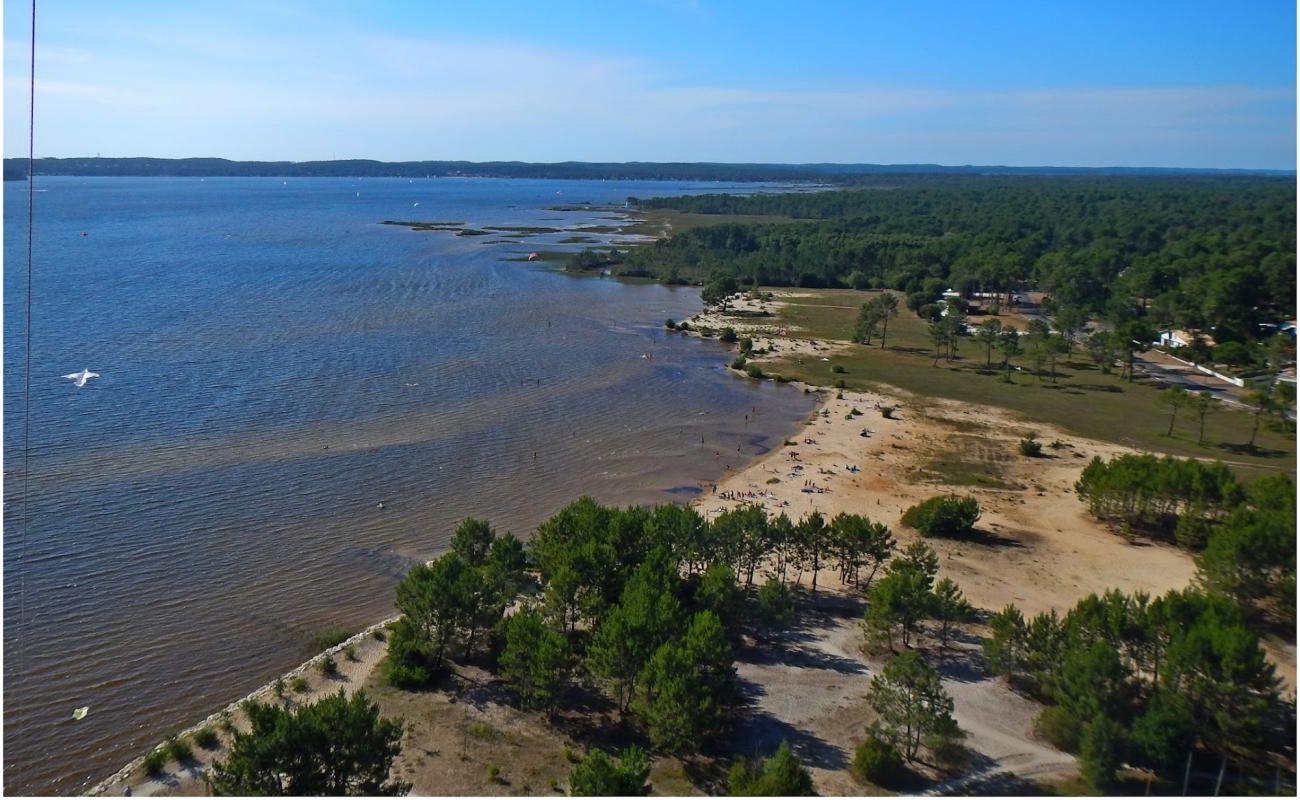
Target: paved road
1172, 371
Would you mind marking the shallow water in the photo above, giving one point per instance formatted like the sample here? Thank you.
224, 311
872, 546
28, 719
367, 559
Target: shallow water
275, 364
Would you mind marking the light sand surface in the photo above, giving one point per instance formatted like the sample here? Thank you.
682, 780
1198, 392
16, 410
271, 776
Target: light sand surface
760, 320
1042, 549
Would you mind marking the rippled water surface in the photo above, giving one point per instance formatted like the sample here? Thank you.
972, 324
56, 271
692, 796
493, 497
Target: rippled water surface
275, 364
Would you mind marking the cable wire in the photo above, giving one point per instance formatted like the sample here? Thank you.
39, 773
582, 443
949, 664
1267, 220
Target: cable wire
27, 356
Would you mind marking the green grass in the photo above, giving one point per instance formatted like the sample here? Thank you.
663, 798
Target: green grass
481, 730
178, 750
964, 466
207, 739
1082, 400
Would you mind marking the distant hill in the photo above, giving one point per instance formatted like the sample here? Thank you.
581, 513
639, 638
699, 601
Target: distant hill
632, 170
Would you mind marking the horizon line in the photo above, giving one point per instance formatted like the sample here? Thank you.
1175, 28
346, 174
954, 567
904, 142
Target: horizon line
789, 164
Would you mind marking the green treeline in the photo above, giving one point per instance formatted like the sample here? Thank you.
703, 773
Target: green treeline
1244, 536
1171, 684
885, 174
642, 605
1196, 252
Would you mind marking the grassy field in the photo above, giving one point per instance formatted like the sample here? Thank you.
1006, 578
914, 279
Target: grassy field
1082, 400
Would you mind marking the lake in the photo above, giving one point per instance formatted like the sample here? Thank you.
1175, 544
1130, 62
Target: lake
295, 404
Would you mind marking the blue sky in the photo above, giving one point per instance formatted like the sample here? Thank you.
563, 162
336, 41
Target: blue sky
1096, 83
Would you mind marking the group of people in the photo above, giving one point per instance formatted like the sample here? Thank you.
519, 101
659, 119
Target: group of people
745, 495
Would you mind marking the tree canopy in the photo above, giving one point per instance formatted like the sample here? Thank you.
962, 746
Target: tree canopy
1195, 252
336, 746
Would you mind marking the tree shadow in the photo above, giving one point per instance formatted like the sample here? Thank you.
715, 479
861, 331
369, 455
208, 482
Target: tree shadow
782, 653
1099, 387
981, 536
1000, 784
1252, 450
963, 665
760, 734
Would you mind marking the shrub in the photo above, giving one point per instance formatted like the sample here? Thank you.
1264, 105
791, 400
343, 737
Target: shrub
879, 762
154, 762
328, 666
601, 776
738, 363
494, 774
728, 335
1029, 446
278, 687
946, 515
840, 384
670, 325
207, 739
838, 369
336, 746
754, 371
779, 776
683, 326
409, 665
178, 750
378, 635
774, 604
226, 724
746, 344
350, 653
1059, 728
299, 685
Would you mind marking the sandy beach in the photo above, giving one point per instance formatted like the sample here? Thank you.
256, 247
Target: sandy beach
1041, 550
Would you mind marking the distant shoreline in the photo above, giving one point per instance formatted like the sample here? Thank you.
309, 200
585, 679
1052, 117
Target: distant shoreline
568, 170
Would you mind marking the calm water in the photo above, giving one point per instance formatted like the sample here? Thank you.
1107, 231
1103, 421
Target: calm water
274, 365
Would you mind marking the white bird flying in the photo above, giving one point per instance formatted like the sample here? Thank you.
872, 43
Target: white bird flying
80, 378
